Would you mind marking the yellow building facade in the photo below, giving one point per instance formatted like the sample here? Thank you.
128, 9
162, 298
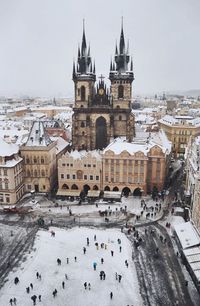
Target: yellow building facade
179, 130
11, 174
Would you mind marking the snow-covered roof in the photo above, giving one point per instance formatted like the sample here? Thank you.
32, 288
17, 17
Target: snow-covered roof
119, 145
61, 144
7, 149
83, 154
179, 120
144, 118
38, 136
187, 235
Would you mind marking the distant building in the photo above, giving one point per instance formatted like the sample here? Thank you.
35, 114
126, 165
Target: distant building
11, 173
179, 129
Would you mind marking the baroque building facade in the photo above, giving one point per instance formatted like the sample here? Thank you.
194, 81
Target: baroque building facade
130, 168
11, 173
39, 155
179, 130
101, 115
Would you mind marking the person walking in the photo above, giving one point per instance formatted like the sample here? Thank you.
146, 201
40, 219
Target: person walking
102, 260
116, 276
84, 250
85, 285
89, 286
37, 275
39, 297
88, 241
66, 277
11, 302
111, 295
34, 298
67, 260
27, 289
94, 266
112, 253
31, 285
63, 285
15, 301
75, 259
95, 238
120, 248
119, 278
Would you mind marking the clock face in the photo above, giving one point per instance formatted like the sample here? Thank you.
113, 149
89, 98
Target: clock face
101, 91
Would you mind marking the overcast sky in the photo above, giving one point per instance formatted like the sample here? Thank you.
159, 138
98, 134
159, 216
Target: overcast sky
39, 39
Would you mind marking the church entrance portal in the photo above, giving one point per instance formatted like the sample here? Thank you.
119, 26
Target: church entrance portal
101, 133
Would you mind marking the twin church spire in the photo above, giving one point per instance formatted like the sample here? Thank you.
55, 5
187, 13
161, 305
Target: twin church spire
84, 65
120, 65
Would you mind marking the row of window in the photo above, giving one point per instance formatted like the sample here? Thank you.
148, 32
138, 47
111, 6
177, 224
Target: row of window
36, 173
36, 160
124, 162
85, 165
85, 177
128, 179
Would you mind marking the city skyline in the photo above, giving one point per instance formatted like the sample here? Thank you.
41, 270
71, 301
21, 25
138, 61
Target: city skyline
39, 42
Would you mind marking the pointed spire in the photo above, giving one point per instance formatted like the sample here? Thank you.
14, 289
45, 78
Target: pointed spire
111, 66
94, 68
116, 51
79, 52
122, 42
84, 45
74, 70
131, 64
89, 51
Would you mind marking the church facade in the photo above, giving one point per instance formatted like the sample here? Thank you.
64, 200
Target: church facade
100, 115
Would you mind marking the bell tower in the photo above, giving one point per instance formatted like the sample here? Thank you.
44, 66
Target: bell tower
121, 75
83, 75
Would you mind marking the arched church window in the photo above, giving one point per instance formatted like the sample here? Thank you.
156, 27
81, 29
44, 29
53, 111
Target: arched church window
88, 121
82, 124
120, 118
82, 93
120, 92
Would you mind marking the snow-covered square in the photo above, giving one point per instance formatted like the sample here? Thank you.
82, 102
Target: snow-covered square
69, 244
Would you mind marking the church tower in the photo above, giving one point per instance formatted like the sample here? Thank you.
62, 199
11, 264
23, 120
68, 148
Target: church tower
121, 77
100, 115
84, 75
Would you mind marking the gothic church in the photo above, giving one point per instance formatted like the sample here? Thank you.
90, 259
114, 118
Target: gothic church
100, 115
